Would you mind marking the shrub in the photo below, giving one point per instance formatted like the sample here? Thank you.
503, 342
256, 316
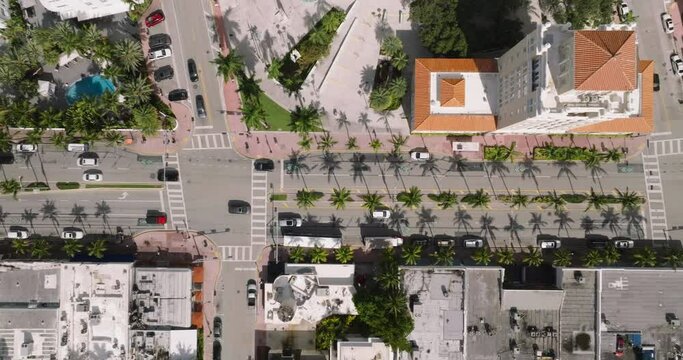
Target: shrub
36, 185
68, 185
278, 197
574, 198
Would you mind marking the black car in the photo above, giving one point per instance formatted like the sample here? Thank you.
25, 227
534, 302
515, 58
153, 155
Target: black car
168, 174
217, 327
238, 207
264, 165
217, 350
177, 95
159, 40
596, 241
163, 73
201, 110
655, 82
192, 70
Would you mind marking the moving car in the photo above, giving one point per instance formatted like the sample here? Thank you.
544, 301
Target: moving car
192, 70
676, 64
238, 207
201, 111
26, 148
159, 40
264, 165
72, 233
177, 95
163, 73
472, 241
160, 53
92, 176
549, 243
251, 292
667, 23
381, 214
655, 82
290, 222
88, 159
623, 243
155, 18
156, 217
17, 232
420, 155
217, 327
168, 174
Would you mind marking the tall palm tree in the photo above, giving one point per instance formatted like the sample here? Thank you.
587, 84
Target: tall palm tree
555, 201
391, 46
592, 258
411, 198
28, 216
318, 255
297, 255
340, 197
673, 258
10, 186
400, 61
305, 119
645, 257
146, 120
479, 199
610, 255
518, 200
40, 249
253, 115
562, 258
97, 248
411, 254
326, 142
533, 257
137, 91
20, 246
35, 136
445, 199
614, 155
306, 199
305, 142
505, 257
72, 247
483, 256
375, 144
344, 254
229, 66
351, 143
114, 138
128, 54
372, 201
629, 199
381, 99
444, 256
91, 37
249, 88
596, 201
398, 140
275, 68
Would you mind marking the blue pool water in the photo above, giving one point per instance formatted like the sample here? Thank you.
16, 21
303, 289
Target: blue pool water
91, 86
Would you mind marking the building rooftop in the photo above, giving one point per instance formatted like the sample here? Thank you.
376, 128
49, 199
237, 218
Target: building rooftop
84, 9
164, 296
28, 283
578, 312
364, 349
605, 60
150, 345
532, 299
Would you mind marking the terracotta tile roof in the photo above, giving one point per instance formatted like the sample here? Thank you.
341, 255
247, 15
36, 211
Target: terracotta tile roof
605, 60
198, 274
423, 120
641, 124
452, 92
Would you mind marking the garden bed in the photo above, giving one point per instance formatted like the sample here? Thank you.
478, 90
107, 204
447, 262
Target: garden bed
68, 185
276, 116
385, 73
559, 153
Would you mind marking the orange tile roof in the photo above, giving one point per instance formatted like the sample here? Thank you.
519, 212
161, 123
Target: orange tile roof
640, 124
452, 92
605, 60
198, 274
424, 120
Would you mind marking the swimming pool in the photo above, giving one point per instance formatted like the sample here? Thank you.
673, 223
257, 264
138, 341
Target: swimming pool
92, 86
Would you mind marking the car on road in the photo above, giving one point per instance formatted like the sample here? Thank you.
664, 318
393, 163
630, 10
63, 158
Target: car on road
88, 159
251, 292
597, 241
177, 95
192, 70
74, 147
290, 222
72, 233
381, 214
159, 40
168, 174
217, 327
676, 64
623, 10
18, 232
160, 53
264, 165
655, 82
92, 175
26, 148
155, 18
420, 155
6, 158
472, 241
238, 207
619, 351
549, 243
156, 217
163, 73
623, 243
444, 240
667, 23
201, 110
217, 347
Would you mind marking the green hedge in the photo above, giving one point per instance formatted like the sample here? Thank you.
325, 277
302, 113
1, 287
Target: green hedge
68, 185
574, 198
278, 197
37, 185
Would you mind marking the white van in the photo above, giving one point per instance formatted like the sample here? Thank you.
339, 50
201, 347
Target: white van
77, 147
16, 232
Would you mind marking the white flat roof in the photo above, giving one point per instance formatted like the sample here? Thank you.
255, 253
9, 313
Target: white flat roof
84, 9
310, 241
169, 292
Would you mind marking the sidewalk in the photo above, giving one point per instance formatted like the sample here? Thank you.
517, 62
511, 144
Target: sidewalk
184, 249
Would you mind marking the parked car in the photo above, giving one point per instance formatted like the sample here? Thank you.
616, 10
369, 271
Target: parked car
72, 233
381, 214
444, 240
420, 155
238, 207
163, 73
667, 23
168, 174
155, 18
26, 148
217, 347
264, 165
252, 290
88, 159
201, 110
217, 327
472, 241
549, 243
419, 240
159, 40
74, 147
6, 158
676, 64
597, 241
192, 70
17, 232
160, 53
619, 351
92, 175
623, 10
623, 243
177, 95
655, 82
290, 222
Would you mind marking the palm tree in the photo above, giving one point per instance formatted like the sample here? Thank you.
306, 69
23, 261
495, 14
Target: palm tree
444, 256
533, 257
629, 199
146, 120
275, 68
381, 99
596, 201
537, 223
253, 115
398, 140
390, 276
297, 255
400, 61
40, 249
375, 144
614, 155
555, 201
445, 199
306, 199
97, 248
518, 200
229, 66
305, 142
479, 199
326, 142
411, 198
72, 247
340, 197
10, 186
344, 254
505, 257
562, 258
372, 201
249, 88
35, 136
391, 46
305, 119
352, 143
137, 91
483, 256
592, 258
20, 246
411, 254
129, 54
611, 255
114, 138
673, 258
59, 139
398, 87
5, 141
318, 255
645, 257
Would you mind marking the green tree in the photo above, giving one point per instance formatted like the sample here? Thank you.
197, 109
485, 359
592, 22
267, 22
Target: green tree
305, 141
326, 142
596, 201
411, 254
397, 88
72, 247
229, 66
479, 199
562, 258
340, 197
275, 68
40, 249
249, 88
305, 119
97, 248
614, 155
390, 276
20, 246
673, 258
306, 199
398, 140
555, 201
592, 258
629, 199
400, 61
610, 255
330, 329
445, 199
375, 144
344, 254
505, 257
5, 139
318, 255
352, 143
297, 255
440, 34
10, 186
444, 256
381, 99
128, 54
483, 256
253, 115
386, 314
114, 138
146, 120
645, 257
411, 198
372, 201
35, 136
532, 257
518, 200
137, 91
391, 46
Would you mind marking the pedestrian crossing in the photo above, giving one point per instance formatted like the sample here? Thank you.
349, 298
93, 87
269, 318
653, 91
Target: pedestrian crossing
655, 196
209, 141
235, 253
667, 147
174, 194
259, 207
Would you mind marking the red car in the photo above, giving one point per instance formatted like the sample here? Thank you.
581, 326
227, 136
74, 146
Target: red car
155, 18
620, 346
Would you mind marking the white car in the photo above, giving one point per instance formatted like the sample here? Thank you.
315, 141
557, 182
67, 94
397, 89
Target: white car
17, 232
549, 244
88, 161
72, 233
623, 9
473, 243
676, 64
667, 23
26, 148
624, 244
381, 214
293, 222
420, 155
160, 53
91, 176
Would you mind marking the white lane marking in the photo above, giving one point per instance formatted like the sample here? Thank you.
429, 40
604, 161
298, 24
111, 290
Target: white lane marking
655, 194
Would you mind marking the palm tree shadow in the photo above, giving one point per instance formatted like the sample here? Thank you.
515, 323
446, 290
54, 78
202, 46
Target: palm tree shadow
462, 220
430, 166
563, 221
458, 163
79, 214
332, 164
530, 170
587, 224
486, 226
514, 227
537, 223
611, 219
498, 167
49, 211
398, 219
298, 165
358, 167
367, 77
566, 170
398, 165
103, 210
634, 223
426, 218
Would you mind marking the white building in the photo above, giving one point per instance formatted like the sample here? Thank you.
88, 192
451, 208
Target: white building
4, 13
85, 9
164, 296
